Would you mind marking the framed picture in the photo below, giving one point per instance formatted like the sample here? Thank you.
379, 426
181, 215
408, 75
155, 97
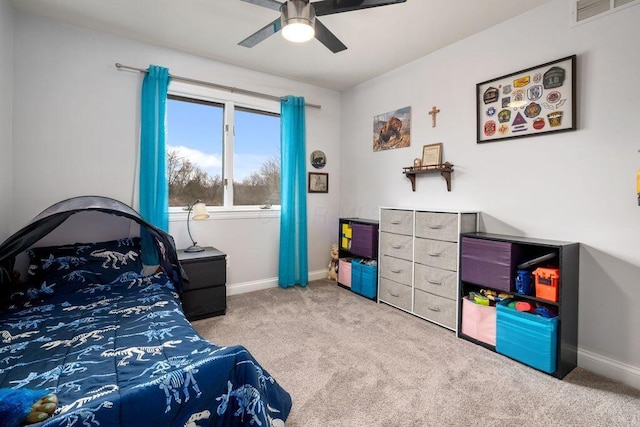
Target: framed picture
318, 182
392, 130
535, 101
432, 156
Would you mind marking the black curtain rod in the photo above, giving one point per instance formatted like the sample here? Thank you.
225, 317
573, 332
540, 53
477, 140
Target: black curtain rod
216, 86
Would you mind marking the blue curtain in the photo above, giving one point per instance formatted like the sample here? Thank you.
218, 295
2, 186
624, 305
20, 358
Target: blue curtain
293, 262
154, 191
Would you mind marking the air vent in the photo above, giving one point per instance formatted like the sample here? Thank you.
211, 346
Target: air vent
587, 10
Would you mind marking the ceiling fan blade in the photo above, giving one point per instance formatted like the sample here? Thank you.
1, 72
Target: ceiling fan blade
328, 39
328, 7
268, 30
269, 4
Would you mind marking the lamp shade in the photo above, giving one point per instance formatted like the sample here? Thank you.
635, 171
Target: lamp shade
200, 211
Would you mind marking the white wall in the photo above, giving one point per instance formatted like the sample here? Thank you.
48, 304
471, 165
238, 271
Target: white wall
6, 123
76, 132
574, 186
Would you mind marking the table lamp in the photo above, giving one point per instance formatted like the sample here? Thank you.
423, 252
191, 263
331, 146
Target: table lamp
199, 212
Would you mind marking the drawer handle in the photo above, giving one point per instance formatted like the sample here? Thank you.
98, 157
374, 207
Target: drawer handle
394, 295
436, 309
396, 271
396, 246
435, 227
435, 283
396, 222
434, 254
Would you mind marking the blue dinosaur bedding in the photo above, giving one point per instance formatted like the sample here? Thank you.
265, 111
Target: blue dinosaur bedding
121, 352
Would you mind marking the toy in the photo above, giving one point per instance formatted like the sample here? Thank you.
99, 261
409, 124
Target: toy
333, 264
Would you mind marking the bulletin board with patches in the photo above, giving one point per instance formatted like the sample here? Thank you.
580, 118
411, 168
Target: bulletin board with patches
538, 100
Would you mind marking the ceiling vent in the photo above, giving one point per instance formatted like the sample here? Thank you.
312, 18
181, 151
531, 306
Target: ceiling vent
588, 10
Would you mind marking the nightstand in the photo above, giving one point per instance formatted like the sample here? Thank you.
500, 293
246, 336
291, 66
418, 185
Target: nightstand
206, 293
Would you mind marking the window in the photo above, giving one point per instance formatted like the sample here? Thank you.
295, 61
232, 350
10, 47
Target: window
223, 153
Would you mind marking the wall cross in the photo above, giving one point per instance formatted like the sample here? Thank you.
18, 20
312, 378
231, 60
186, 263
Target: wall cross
433, 113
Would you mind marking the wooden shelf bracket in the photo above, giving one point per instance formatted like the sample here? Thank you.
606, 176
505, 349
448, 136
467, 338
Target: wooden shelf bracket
445, 170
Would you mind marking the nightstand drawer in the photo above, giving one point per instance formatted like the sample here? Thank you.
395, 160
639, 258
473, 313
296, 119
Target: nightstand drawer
204, 302
204, 273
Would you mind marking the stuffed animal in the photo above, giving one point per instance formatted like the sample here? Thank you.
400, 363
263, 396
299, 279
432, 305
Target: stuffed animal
333, 264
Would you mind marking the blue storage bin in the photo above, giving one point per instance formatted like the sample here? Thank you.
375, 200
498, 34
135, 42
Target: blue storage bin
363, 278
528, 338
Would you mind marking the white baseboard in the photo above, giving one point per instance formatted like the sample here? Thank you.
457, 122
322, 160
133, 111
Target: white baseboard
609, 368
257, 285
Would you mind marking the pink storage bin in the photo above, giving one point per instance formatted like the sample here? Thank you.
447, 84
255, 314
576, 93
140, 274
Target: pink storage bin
479, 321
344, 271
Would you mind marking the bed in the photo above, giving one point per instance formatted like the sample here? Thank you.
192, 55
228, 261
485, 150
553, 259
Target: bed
116, 348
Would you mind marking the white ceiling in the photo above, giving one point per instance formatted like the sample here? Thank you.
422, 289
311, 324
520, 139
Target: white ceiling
378, 39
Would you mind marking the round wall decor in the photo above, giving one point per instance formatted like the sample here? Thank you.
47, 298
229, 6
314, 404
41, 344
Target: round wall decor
318, 159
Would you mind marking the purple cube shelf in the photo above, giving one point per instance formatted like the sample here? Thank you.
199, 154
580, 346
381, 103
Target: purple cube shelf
364, 241
489, 263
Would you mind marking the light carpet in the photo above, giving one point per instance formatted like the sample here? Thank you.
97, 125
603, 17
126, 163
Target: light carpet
348, 361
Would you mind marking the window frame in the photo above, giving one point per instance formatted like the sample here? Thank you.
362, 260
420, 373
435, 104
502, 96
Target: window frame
230, 101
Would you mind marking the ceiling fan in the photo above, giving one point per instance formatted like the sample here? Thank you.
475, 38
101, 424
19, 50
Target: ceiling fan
298, 20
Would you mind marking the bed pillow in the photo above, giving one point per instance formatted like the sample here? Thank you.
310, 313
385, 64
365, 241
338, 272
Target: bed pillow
75, 266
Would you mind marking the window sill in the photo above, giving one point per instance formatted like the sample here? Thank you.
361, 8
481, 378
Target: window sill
177, 214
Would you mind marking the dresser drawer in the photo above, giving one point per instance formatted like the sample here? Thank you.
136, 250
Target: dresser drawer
396, 245
437, 225
396, 221
395, 293
398, 270
436, 281
435, 308
436, 253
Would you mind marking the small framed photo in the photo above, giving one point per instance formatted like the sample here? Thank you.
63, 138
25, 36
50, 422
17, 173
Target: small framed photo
432, 156
318, 182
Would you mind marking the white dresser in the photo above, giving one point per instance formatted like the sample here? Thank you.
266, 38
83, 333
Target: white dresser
418, 261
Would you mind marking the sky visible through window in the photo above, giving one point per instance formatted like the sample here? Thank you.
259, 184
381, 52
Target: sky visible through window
195, 130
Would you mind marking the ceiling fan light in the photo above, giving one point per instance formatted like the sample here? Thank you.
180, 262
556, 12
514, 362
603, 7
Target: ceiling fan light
298, 21
298, 32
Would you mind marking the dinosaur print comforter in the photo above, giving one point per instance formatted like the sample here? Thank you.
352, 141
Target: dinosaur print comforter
121, 353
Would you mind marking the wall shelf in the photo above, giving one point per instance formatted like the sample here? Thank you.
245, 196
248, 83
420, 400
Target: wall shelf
445, 170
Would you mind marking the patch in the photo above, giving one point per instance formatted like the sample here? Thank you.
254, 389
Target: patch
555, 118
491, 95
506, 90
503, 129
553, 78
519, 99
532, 110
537, 78
506, 101
490, 128
561, 103
538, 123
491, 111
504, 116
519, 120
553, 97
534, 92
522, 81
